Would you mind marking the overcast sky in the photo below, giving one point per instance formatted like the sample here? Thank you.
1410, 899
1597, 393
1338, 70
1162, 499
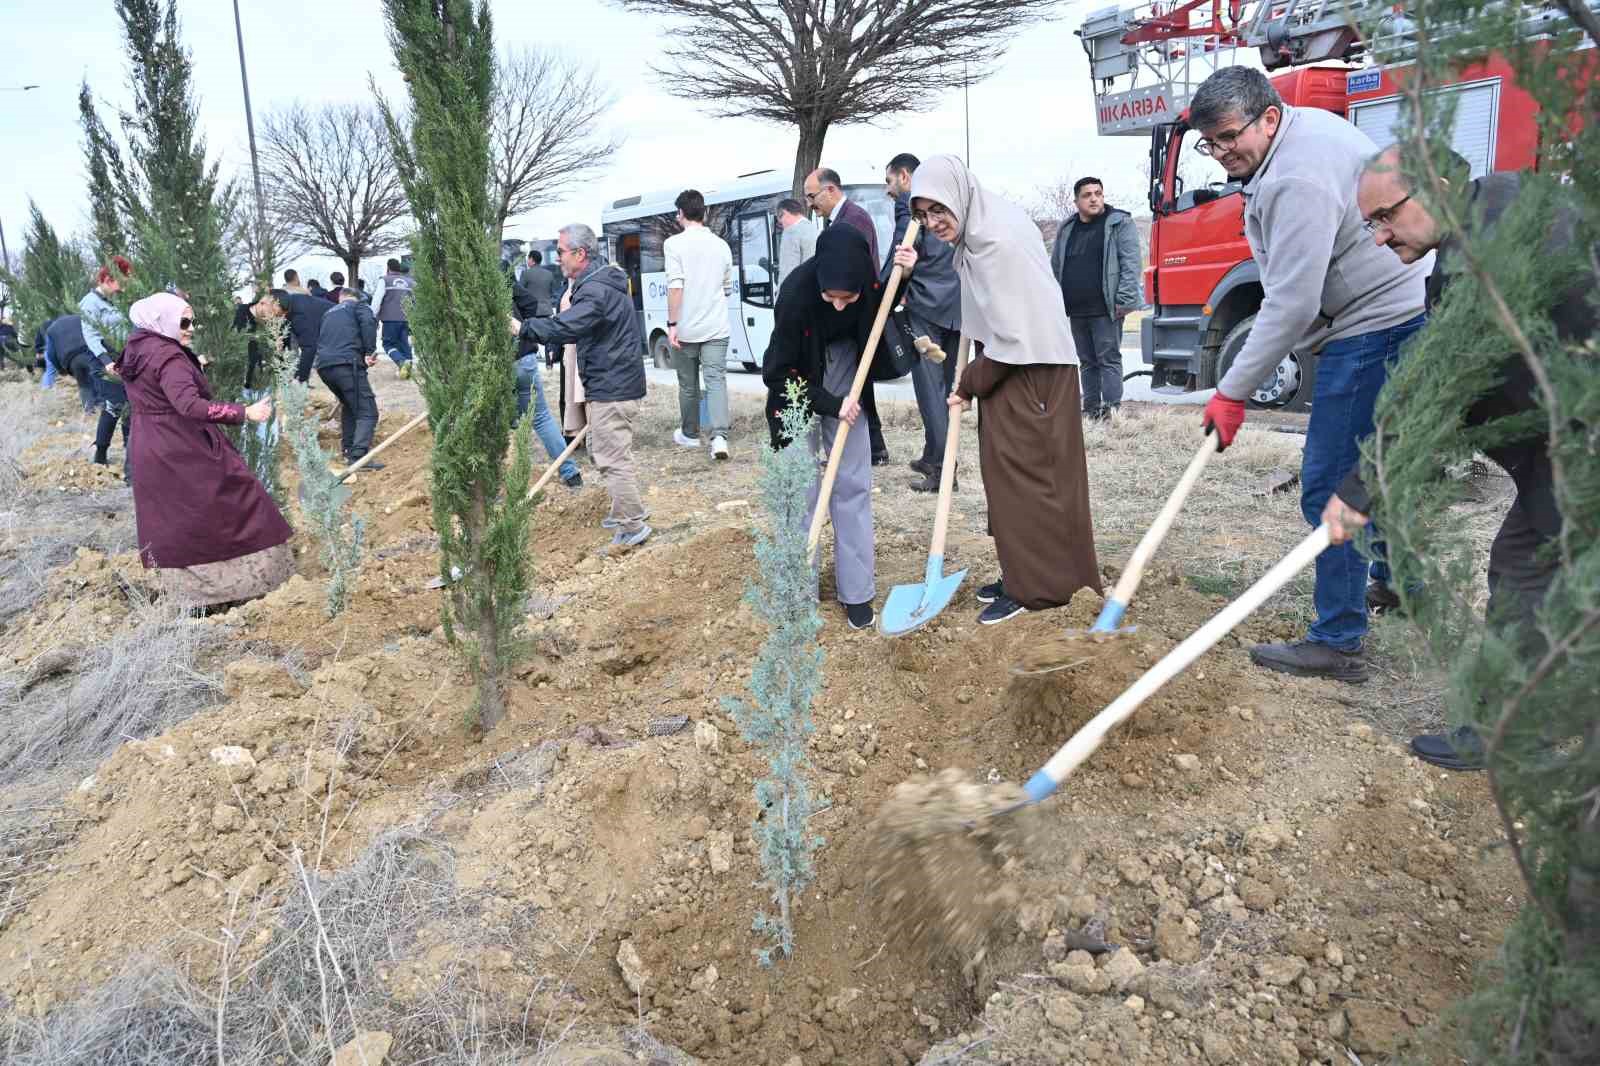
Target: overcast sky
1032, 124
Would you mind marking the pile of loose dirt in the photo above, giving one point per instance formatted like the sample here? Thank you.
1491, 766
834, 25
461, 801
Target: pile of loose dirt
1237, 875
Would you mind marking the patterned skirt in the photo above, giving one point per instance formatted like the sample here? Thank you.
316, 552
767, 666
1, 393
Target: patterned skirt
228, 581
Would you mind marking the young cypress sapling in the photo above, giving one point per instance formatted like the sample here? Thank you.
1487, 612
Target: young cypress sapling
786, 677
340, 536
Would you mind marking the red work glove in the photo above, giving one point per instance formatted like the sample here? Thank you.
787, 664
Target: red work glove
1225, 416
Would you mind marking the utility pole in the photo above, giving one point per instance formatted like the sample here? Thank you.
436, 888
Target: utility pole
967, 106
250, 127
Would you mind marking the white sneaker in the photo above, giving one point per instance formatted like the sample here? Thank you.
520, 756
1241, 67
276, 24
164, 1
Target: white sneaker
684, 442
719, 447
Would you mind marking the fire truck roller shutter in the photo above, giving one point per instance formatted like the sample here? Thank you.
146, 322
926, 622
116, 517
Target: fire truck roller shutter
1477, 112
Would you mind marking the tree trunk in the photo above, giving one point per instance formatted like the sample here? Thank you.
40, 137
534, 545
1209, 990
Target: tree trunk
491, 693
352, 271
808, 154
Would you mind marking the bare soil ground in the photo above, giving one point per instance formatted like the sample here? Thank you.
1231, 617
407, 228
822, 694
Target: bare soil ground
1263, 873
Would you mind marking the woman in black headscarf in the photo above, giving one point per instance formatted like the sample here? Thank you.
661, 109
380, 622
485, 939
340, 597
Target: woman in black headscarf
821, 326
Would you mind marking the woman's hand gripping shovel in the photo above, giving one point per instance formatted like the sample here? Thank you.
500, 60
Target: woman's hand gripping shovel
939, 842
860, 382
909, 606
1068, 649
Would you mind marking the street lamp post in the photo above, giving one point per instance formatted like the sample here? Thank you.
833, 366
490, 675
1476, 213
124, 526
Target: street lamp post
250, 127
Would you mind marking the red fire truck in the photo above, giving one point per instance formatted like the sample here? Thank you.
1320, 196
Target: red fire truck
1202, 286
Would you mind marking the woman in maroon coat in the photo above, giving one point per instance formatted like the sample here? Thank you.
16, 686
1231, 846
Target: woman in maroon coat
205, 523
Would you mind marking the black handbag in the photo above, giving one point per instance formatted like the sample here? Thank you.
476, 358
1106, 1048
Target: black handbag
897, 350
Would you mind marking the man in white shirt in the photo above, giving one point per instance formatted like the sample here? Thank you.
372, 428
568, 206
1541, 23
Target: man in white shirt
699, 280
799, 241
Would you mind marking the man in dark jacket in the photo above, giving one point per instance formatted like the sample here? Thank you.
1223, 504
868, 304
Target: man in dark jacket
1520, 569
933, 302
1096, 260
66, 346
603, 324
824, 191
305, 312
393, 312
530, 386
346, 346
545, 286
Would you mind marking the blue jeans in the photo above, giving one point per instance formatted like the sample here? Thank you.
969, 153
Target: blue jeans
1350, 374
397, 341
530, 387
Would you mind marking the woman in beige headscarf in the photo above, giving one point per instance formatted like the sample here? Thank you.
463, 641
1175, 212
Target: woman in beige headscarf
1030, 429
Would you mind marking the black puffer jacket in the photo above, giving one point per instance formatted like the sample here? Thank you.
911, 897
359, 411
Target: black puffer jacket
349, 334
604, 325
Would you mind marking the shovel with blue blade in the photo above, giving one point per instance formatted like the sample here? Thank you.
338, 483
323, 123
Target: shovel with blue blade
1069, 649
933, 838
908, 607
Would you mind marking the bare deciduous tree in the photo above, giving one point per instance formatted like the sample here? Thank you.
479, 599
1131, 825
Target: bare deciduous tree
823, 63
330, 182
543, 135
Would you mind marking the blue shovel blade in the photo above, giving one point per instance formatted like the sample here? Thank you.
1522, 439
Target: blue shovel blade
910, 606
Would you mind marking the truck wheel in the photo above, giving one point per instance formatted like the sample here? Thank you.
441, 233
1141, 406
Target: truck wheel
1286, 388
661, 352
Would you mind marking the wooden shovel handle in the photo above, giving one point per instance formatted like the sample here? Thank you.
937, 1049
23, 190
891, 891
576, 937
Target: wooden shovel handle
952, 446
1084, 742
556, 465
884, 307
1128, 583
375, 452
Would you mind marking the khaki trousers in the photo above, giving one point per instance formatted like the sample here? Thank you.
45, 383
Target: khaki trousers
611, 447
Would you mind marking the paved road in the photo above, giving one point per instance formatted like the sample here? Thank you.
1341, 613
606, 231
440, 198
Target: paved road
1137, 389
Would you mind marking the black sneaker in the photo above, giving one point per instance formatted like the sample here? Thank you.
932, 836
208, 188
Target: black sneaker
990, 592
880, 458
374, 465
931, 484
923, 467
860, 615
1460, 749
1381, 599
574, 482
1001, 609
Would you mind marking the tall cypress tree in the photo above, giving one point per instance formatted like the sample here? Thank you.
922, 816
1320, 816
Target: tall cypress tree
1527, 689
108, 180
173, 207
445, 50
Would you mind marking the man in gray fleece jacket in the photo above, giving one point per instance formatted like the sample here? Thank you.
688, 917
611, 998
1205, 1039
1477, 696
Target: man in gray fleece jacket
1329, 291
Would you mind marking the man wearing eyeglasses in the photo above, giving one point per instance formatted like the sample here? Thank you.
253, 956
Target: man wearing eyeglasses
1328, 292
1520, 566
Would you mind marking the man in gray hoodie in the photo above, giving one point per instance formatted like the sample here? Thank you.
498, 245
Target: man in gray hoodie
1328, 291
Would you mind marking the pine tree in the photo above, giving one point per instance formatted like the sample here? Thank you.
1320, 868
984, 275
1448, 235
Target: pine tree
786, 677
107, 180
1529, 692
53, 275
445, 50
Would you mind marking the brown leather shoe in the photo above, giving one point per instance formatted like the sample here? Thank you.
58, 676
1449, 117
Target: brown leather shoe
1305, 659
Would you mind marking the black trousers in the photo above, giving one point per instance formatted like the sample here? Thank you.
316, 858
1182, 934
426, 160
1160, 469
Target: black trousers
1520, 570
358, 407
302, 368
869, 407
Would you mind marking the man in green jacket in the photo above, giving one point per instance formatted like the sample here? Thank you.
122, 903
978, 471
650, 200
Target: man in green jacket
1096, 261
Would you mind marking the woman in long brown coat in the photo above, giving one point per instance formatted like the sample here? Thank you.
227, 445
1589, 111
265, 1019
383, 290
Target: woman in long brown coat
1030, 429
205, 524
